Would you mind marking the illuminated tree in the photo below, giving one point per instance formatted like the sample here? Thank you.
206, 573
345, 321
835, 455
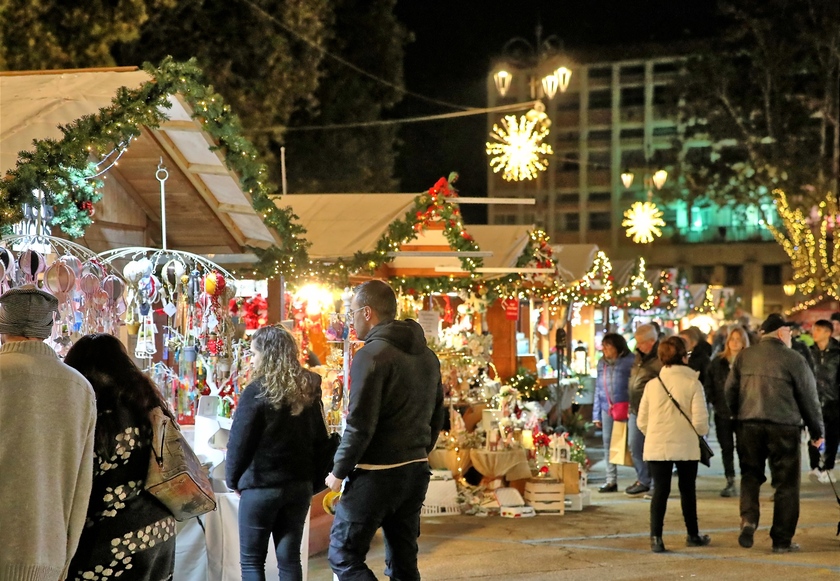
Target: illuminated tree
809, 240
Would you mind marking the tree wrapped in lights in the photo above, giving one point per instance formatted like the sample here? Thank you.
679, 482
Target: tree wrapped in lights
595, 288
638, 292
810, 243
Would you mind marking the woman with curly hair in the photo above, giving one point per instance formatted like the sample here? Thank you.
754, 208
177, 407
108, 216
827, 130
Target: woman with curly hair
128, 533
277, 426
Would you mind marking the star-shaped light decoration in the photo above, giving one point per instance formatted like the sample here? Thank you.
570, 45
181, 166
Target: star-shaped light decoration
518, 149
643, 222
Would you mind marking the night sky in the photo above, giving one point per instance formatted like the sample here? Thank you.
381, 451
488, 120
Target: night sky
454, 43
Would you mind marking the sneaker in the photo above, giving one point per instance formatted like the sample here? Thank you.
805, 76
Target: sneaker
636, 488
814, 475
745, 539
823, 477
609, 487
791, 548
648, 495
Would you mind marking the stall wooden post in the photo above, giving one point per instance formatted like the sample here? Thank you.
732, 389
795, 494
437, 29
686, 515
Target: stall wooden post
275, 300
504, 340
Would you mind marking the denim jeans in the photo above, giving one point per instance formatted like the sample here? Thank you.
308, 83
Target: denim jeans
637, 450
760, 442
687, 475
273, 511
390, 499
725, 429
606, 435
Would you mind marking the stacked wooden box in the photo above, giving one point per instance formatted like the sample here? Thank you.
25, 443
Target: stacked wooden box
546, 496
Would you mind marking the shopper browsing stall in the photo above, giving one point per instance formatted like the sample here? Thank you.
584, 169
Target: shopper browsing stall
47, 420
646, 366
671, 438
611, 399
121, 515
270, 457
394, 419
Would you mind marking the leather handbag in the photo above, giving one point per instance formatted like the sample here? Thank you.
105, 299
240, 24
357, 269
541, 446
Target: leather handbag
619, 411
176, 477
706, 453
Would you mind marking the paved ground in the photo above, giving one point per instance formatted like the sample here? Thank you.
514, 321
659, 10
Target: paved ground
609, 540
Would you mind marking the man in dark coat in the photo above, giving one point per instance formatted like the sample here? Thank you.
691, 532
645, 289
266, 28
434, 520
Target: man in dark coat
771, 392
394, 419
826, 352
646, 366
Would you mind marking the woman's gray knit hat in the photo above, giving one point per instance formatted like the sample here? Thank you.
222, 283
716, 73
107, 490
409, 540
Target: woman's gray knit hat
27, 312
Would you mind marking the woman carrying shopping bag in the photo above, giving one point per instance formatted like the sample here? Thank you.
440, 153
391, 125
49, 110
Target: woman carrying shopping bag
611, 397
671, 438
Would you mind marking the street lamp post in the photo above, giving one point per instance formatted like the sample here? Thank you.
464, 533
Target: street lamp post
541, 56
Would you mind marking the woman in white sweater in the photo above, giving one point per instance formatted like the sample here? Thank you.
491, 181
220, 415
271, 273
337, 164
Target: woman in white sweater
670, 439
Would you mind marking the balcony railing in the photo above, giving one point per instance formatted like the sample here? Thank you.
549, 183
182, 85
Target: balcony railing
718, 234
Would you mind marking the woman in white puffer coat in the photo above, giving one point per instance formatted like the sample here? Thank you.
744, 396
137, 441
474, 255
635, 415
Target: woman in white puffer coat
670, 439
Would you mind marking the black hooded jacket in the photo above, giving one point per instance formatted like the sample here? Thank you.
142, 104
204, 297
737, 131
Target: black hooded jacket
396, 399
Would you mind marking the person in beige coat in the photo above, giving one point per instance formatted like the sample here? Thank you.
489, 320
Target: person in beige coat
670, 440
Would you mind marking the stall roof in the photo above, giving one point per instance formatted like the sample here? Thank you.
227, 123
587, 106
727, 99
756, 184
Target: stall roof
207, 211
340, 225
574, 260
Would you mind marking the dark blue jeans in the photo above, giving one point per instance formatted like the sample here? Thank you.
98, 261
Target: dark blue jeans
273, 511
390, 499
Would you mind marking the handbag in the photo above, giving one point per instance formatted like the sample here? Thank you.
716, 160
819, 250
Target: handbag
619, 411
176, 477
706, 453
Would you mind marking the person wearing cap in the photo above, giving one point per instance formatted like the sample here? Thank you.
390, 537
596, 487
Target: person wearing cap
835, 324
771, 392
47, 421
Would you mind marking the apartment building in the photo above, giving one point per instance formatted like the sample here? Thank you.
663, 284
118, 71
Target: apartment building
614, 116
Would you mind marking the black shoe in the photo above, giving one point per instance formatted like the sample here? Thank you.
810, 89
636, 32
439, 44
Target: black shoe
636, 489
697, 540
745, 539
656, 545
791, 548
730, 490
609, 487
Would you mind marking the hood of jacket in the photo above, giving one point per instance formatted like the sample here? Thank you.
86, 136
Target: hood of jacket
406, 336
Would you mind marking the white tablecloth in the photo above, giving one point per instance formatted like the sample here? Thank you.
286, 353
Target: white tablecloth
213, 554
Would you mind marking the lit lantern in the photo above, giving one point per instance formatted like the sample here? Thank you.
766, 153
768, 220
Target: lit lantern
789, 288
550, 84
502, 79
659, 178
627, 178
564, 77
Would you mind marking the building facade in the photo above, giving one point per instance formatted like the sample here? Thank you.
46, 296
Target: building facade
616, 115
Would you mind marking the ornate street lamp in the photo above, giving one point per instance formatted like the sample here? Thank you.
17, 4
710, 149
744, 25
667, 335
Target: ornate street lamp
522, 54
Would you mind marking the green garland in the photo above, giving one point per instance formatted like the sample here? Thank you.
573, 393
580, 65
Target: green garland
62, 168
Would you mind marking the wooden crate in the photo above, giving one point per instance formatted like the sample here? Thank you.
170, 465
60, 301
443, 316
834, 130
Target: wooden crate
545, 495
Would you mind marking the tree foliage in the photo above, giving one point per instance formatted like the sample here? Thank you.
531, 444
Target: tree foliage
61, 34
367, 34
759, 107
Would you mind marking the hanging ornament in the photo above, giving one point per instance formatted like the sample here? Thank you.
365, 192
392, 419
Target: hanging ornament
643, 222
59, 279
8, 261
32, 264
74, 263
113, 287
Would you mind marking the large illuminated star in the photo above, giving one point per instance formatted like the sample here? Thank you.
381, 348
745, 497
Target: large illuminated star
643, 222
519, 149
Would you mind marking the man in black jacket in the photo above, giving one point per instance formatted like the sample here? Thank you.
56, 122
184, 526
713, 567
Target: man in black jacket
771, 391
394, 419
826, 354
646, 366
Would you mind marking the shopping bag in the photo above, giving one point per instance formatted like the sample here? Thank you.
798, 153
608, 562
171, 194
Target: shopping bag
619, 446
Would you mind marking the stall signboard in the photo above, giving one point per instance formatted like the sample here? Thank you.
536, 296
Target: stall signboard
511, 307
430, 321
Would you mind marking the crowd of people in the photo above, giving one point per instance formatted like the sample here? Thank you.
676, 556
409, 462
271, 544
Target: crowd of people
75, 450
762, 388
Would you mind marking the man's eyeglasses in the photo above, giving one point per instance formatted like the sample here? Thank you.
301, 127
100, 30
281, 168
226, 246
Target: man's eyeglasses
354, 311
